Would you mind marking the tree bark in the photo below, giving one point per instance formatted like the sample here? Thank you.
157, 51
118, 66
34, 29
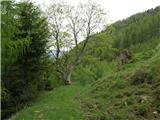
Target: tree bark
67, 78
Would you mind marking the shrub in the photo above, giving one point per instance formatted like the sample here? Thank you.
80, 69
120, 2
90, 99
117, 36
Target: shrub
48, 85
141, 76
84, 75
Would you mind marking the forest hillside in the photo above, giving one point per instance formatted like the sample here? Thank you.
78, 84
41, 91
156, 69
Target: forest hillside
117, 78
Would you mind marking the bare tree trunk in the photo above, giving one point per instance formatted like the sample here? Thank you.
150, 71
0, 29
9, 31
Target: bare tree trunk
67, 78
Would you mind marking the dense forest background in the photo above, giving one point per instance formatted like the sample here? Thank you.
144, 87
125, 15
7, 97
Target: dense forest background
110, 90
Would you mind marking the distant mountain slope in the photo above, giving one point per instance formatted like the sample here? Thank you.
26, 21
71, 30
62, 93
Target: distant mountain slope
138, 28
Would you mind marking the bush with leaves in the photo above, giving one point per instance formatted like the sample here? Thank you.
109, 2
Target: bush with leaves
141, 76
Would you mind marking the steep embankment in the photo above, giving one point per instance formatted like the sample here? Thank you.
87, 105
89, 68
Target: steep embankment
54, 105
132, 93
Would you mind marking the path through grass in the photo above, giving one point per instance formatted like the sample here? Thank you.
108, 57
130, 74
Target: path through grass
57, 104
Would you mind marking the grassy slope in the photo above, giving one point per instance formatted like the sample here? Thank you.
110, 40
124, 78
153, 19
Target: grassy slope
54, 105
129, 94
115, 96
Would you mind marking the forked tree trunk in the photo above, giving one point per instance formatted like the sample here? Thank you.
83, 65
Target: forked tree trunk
67, 78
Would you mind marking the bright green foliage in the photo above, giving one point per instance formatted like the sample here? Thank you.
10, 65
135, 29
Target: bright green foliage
100, 45
91, 70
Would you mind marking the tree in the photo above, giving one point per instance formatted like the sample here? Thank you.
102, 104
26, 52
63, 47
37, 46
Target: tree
69, 25
11, 46
24, 37
137, 29
32, 23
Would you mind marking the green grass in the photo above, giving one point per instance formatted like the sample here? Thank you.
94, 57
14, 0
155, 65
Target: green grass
129, 93
117, 97
57, 104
